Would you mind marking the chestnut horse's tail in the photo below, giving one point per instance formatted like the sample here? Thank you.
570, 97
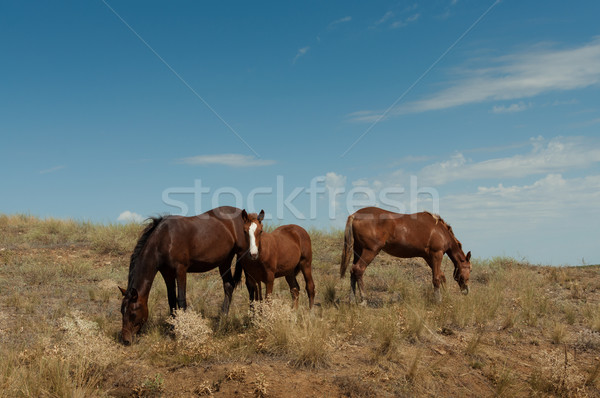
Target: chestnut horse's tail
348, 246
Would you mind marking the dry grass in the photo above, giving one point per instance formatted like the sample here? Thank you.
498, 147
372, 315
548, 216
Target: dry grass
523, 330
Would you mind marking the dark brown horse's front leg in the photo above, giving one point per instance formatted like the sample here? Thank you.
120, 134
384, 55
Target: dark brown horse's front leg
228, 285
169, 278
181, 282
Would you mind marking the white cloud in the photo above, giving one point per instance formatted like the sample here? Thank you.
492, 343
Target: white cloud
554, 156
301, 52
512, 108
405, 22
227, 159
52, 169
339, 21
385, 17
129, 216
517, 76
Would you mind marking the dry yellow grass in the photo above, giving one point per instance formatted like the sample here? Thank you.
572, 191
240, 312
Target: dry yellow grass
523, 330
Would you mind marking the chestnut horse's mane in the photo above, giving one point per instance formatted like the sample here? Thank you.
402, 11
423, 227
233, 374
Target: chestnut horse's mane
440, 220
141, 243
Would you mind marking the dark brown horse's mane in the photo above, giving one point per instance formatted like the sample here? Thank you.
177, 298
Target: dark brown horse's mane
440, 220
141, 243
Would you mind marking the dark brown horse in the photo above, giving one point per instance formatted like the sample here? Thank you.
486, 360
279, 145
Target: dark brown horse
284, 252
174, 246
370, 230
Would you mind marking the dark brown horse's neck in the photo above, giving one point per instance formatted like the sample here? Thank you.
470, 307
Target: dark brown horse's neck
142, 278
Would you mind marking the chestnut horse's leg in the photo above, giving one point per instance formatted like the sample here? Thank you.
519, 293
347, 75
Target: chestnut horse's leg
169, 278
228, 284
439, 279
269, 284
181, 272
306, 269
361, 261
294, 289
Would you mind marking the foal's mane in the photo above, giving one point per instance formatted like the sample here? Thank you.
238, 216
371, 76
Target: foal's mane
441, 221
141, 243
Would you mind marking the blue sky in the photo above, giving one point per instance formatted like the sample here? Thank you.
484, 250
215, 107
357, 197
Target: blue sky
492, 109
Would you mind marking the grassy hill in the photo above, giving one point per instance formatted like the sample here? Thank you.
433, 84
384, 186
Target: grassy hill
523, 331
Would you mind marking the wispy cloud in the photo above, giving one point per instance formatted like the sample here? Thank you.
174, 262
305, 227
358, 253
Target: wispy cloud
301, 52
52, 169
512, 108
555, 156
386, 17
517, 76
227, 159
339, 21
405, 22
129, 216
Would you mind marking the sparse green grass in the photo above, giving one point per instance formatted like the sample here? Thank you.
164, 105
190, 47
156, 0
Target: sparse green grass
60, 320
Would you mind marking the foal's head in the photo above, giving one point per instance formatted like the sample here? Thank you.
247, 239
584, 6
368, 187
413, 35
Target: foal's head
253, 228
135, 314
462, 270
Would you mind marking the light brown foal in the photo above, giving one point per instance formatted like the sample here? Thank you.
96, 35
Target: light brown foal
284, 252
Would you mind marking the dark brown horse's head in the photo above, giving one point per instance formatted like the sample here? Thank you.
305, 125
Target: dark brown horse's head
135, 314
253, 229
462, 271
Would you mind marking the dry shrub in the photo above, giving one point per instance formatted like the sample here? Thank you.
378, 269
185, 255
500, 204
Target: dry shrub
281, 330
192, 331
587, 340
558, 333
558, 375
83, 339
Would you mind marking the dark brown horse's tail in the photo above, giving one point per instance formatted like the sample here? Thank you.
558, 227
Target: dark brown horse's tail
141, 243
348, 246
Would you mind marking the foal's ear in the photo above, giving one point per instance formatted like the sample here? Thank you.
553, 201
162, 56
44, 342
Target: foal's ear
469, 256
123, 291
261, 215
244, 215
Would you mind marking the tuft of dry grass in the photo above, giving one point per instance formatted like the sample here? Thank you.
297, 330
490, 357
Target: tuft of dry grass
192, 331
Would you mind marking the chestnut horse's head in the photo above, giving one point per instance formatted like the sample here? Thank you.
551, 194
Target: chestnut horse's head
462, 270
135, 314
253, 228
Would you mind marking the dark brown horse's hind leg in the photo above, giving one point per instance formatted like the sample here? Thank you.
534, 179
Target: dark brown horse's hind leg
294, 289
358, 269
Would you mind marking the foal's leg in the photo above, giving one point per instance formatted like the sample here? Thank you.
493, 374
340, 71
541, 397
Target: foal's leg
358, 269
306, 269
439, 279
294, 289
269, 284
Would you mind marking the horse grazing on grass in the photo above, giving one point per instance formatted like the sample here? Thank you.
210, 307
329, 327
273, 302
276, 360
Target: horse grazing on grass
370, 230
174, 246
284, 252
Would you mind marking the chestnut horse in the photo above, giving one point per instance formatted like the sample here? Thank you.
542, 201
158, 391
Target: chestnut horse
370, 230
174, 246
284, 252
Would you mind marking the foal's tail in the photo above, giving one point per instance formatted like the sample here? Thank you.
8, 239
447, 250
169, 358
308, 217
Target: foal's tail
348, 246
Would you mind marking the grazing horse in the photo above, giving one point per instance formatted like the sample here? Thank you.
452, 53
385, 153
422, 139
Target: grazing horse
283, 252
370, 230
174, 246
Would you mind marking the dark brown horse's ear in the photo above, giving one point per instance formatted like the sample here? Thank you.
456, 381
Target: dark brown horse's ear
469, 256
261, 215
123, 291
244, 215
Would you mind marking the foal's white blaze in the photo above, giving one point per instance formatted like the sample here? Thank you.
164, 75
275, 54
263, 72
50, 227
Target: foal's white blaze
253, 247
